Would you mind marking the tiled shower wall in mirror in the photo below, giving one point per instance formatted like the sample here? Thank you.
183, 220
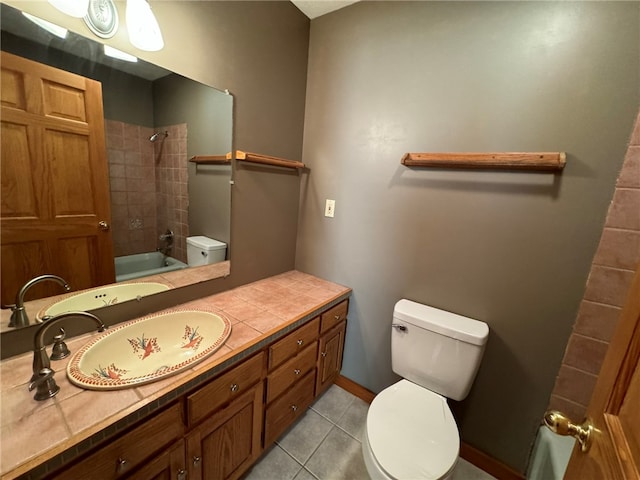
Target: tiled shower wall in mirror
148, 183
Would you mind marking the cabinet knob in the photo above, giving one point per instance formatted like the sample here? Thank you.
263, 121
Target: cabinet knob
337, 317
323, 354
121, 464
294, 408
196, 461
300, 342
234, 387
297, 371
182, 474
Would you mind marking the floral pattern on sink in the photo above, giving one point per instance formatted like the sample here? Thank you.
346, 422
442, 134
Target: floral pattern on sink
148, 349
143, 347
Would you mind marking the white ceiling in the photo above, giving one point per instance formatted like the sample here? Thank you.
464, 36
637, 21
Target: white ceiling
316, 8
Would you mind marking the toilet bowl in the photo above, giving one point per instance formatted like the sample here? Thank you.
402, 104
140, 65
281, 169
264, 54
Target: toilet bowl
410, 432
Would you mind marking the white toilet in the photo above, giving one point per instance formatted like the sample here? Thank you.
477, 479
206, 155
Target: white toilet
205, 251
410, 432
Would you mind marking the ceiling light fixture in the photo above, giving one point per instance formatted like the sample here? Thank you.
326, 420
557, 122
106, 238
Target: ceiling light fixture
143, 28
74, 8
56, 30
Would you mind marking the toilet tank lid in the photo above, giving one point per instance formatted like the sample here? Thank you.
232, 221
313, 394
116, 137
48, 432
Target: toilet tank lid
205, 243
440, 321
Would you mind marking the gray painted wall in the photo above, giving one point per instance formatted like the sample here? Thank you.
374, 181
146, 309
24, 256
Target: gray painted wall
512, 249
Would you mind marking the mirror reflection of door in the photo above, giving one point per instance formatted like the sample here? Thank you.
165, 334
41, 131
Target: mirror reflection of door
55, 181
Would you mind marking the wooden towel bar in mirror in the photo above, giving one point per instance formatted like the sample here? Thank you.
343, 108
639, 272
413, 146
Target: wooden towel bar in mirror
540, 161
210, 159
266, 159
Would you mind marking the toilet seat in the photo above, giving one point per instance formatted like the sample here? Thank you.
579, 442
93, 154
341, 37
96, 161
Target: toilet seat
412, 433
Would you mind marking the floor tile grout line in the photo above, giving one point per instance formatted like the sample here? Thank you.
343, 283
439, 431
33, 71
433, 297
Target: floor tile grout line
319, 443
350, 434
293, 458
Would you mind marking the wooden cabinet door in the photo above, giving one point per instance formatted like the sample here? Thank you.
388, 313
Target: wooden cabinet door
225, 445
330, 357
614, 409
55, 183
170, 465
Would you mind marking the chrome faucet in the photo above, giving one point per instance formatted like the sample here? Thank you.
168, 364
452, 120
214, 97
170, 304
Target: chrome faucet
19, 316
42, 379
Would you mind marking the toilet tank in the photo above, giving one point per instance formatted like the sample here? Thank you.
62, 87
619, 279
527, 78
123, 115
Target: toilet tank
204, 251
438, 350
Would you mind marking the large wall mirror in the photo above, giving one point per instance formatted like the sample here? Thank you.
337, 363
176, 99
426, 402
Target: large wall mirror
160, 200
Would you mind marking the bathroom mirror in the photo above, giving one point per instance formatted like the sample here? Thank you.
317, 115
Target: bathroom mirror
155, 121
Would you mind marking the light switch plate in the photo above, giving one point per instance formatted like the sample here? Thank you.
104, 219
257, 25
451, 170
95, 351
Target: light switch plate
329, 208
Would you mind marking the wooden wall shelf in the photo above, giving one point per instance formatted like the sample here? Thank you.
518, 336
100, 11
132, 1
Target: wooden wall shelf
542, 161
266, 159
210, 159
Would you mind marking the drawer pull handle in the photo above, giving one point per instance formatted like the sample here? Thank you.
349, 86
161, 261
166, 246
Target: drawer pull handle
323, 354
300, 342
297, 371
337, 317
294, 408
196, 461
121, 464
182, 474
234, 387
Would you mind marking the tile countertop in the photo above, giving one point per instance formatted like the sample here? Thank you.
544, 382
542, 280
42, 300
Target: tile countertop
33, 432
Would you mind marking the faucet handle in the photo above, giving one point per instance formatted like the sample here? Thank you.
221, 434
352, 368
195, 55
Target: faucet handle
44, 384
60, 349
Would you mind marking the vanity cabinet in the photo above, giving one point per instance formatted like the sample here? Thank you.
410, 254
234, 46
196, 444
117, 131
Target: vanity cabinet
218, 430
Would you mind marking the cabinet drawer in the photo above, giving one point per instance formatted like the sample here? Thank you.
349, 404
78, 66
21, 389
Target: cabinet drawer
334, 315
291, 371
281, 413
224, 389
293, 343
121, 456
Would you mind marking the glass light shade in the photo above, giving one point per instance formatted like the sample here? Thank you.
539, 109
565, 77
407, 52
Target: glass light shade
57, 30
73, 8
143, 28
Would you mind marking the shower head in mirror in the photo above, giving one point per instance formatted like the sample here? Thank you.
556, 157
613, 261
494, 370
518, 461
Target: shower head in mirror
157, 135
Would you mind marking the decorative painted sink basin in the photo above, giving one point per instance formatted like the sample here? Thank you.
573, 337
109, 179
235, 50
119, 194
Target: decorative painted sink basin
147, 349
101, 297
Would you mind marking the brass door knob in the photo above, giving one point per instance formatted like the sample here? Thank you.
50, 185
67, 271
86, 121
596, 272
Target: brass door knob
560, 424
102, 225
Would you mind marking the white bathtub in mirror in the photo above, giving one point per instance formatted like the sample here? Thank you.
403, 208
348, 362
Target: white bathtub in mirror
140, 265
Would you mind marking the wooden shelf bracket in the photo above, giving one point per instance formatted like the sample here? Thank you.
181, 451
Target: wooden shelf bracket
536, 161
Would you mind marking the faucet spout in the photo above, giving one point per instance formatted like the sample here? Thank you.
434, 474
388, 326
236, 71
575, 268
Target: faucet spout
42, 378
19, 316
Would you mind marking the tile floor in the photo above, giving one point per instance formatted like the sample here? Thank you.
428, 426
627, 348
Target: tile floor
325, 445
